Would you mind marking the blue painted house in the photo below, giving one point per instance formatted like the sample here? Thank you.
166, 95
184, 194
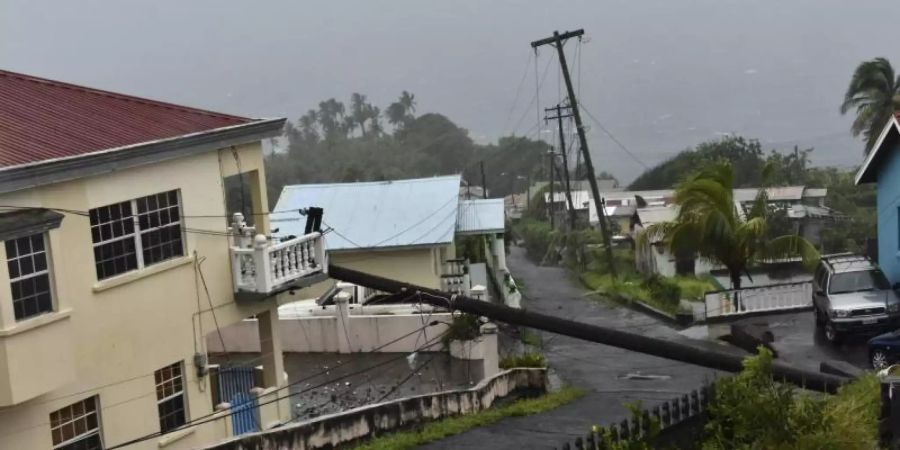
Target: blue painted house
882, 166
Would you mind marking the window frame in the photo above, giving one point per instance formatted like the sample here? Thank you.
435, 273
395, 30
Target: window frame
46, 271
137, 233
98, 431
162, 399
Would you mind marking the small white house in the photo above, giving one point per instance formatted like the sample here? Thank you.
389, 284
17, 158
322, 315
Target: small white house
656, 257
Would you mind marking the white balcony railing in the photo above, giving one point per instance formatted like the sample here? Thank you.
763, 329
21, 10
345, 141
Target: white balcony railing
263, 266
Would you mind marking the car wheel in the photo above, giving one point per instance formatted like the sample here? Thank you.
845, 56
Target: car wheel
878, 359
831, 333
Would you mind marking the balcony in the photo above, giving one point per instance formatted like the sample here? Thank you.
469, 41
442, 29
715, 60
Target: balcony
36, 357
263, 266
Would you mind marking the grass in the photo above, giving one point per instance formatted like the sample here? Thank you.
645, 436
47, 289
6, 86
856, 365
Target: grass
693, 288
532, 338
626, 288
455, 425
530, 359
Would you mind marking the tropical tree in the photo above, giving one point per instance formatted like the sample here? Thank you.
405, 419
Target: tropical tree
408, 101
331, 118
712, 226
400, 113
874, 93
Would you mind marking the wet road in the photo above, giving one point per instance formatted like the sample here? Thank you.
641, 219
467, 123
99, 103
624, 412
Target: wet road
799, 342
597, 368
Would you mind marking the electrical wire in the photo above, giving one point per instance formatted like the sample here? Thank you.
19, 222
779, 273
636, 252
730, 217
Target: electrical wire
218, 416
535, 97
613, 138
248, 363
518, 91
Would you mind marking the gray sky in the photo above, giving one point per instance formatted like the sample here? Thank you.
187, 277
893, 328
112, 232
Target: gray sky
661, 75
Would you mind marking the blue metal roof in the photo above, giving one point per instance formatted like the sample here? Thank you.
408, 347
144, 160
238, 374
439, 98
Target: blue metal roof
481, 216
399, 213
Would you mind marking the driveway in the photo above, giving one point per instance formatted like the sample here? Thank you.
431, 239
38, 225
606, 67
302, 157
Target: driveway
599, 369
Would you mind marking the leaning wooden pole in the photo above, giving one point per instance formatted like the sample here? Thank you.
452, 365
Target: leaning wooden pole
677, 351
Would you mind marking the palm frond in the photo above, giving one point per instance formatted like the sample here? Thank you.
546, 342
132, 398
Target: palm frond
654, 233
789, 246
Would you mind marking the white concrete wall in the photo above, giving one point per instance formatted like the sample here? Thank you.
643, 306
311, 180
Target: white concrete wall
321, 334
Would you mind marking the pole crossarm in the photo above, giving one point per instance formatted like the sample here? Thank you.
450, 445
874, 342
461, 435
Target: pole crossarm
554, 39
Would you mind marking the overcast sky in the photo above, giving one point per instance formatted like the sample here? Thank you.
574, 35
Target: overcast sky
661, 75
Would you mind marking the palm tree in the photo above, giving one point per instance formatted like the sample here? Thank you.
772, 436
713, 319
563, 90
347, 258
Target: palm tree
359, 111
396, 114
874, 92
331, 116
401, 111
712, 226
408, 101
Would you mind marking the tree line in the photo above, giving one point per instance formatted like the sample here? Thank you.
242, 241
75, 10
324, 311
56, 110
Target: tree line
358, 141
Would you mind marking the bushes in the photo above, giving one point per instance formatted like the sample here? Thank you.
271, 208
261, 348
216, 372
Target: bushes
464, 327
663, 290
751, 411
538, 237
525, 360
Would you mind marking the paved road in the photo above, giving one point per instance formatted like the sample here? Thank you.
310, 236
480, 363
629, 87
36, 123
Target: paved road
598, 368
799, 342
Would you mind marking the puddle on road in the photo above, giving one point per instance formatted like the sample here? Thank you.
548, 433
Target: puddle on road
644, 377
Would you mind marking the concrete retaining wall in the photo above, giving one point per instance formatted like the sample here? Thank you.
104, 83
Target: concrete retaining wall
360, 423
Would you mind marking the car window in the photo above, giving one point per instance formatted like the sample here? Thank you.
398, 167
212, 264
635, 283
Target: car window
863, 280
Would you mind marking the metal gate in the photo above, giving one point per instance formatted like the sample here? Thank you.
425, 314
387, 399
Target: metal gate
235, 384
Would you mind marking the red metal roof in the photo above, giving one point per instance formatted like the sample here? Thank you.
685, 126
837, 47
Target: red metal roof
43, 119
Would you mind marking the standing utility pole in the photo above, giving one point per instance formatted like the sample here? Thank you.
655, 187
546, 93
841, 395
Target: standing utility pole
484, 193
557, 41
552, 200
562, 145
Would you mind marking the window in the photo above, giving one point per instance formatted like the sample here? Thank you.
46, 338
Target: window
859, 281
29, 276
77, 426
170, 397
137, 233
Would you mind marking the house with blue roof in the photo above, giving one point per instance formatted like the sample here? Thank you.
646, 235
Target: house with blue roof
882, 166
401, 229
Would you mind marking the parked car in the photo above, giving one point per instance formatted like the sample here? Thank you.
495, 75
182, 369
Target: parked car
884, 349
852, 295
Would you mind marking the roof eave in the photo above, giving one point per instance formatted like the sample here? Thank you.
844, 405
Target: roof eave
388, 248
25, 176
479, 232
865, 175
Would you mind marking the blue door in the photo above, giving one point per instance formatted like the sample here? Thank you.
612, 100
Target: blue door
235, 384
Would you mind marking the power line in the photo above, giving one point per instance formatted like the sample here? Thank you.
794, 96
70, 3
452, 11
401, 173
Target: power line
212, 417
518, 91
248, 363
613, 138
533, 98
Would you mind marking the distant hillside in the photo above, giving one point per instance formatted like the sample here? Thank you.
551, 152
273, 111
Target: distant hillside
745, 154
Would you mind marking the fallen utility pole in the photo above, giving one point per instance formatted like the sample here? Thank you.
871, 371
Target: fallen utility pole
677, 351
562, 145
557, 41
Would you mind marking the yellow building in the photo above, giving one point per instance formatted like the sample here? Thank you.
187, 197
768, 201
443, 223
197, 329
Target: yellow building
118, 263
